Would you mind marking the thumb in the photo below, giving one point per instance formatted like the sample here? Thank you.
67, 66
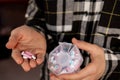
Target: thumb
13, 40
83, 45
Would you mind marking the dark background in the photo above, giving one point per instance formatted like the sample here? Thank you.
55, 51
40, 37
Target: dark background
11, 16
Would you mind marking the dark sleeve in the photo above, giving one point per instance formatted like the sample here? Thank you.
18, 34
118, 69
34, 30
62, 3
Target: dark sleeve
35, 15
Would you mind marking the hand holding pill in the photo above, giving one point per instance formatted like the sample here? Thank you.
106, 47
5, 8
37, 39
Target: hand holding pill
27, 39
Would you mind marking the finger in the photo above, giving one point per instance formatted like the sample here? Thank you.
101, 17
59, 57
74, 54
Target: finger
88, 70
51, 74
90, 78
86, 46
13, 40
82, 45
40, 55
37, 51
54, 78
16, 55
33, 63
40, 59
25, 65
92, 49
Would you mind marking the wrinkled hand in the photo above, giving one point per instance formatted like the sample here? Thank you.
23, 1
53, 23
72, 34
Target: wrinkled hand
93, 71
25, 38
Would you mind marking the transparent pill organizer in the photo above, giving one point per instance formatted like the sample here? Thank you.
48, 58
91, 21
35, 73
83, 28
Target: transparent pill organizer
65, 58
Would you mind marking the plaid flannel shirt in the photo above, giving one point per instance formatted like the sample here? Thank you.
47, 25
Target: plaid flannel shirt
61, 20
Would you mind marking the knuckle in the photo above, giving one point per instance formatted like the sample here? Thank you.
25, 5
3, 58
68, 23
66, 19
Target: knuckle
13, 31
97, 48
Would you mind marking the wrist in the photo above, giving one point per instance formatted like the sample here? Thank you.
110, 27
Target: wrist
39, 30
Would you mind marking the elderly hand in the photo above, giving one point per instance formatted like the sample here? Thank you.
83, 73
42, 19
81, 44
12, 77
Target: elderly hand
25, 38
93, 71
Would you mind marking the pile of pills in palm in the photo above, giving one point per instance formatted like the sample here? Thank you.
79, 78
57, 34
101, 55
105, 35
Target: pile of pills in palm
27, 55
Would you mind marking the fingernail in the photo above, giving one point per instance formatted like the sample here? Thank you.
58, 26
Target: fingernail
75, 40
